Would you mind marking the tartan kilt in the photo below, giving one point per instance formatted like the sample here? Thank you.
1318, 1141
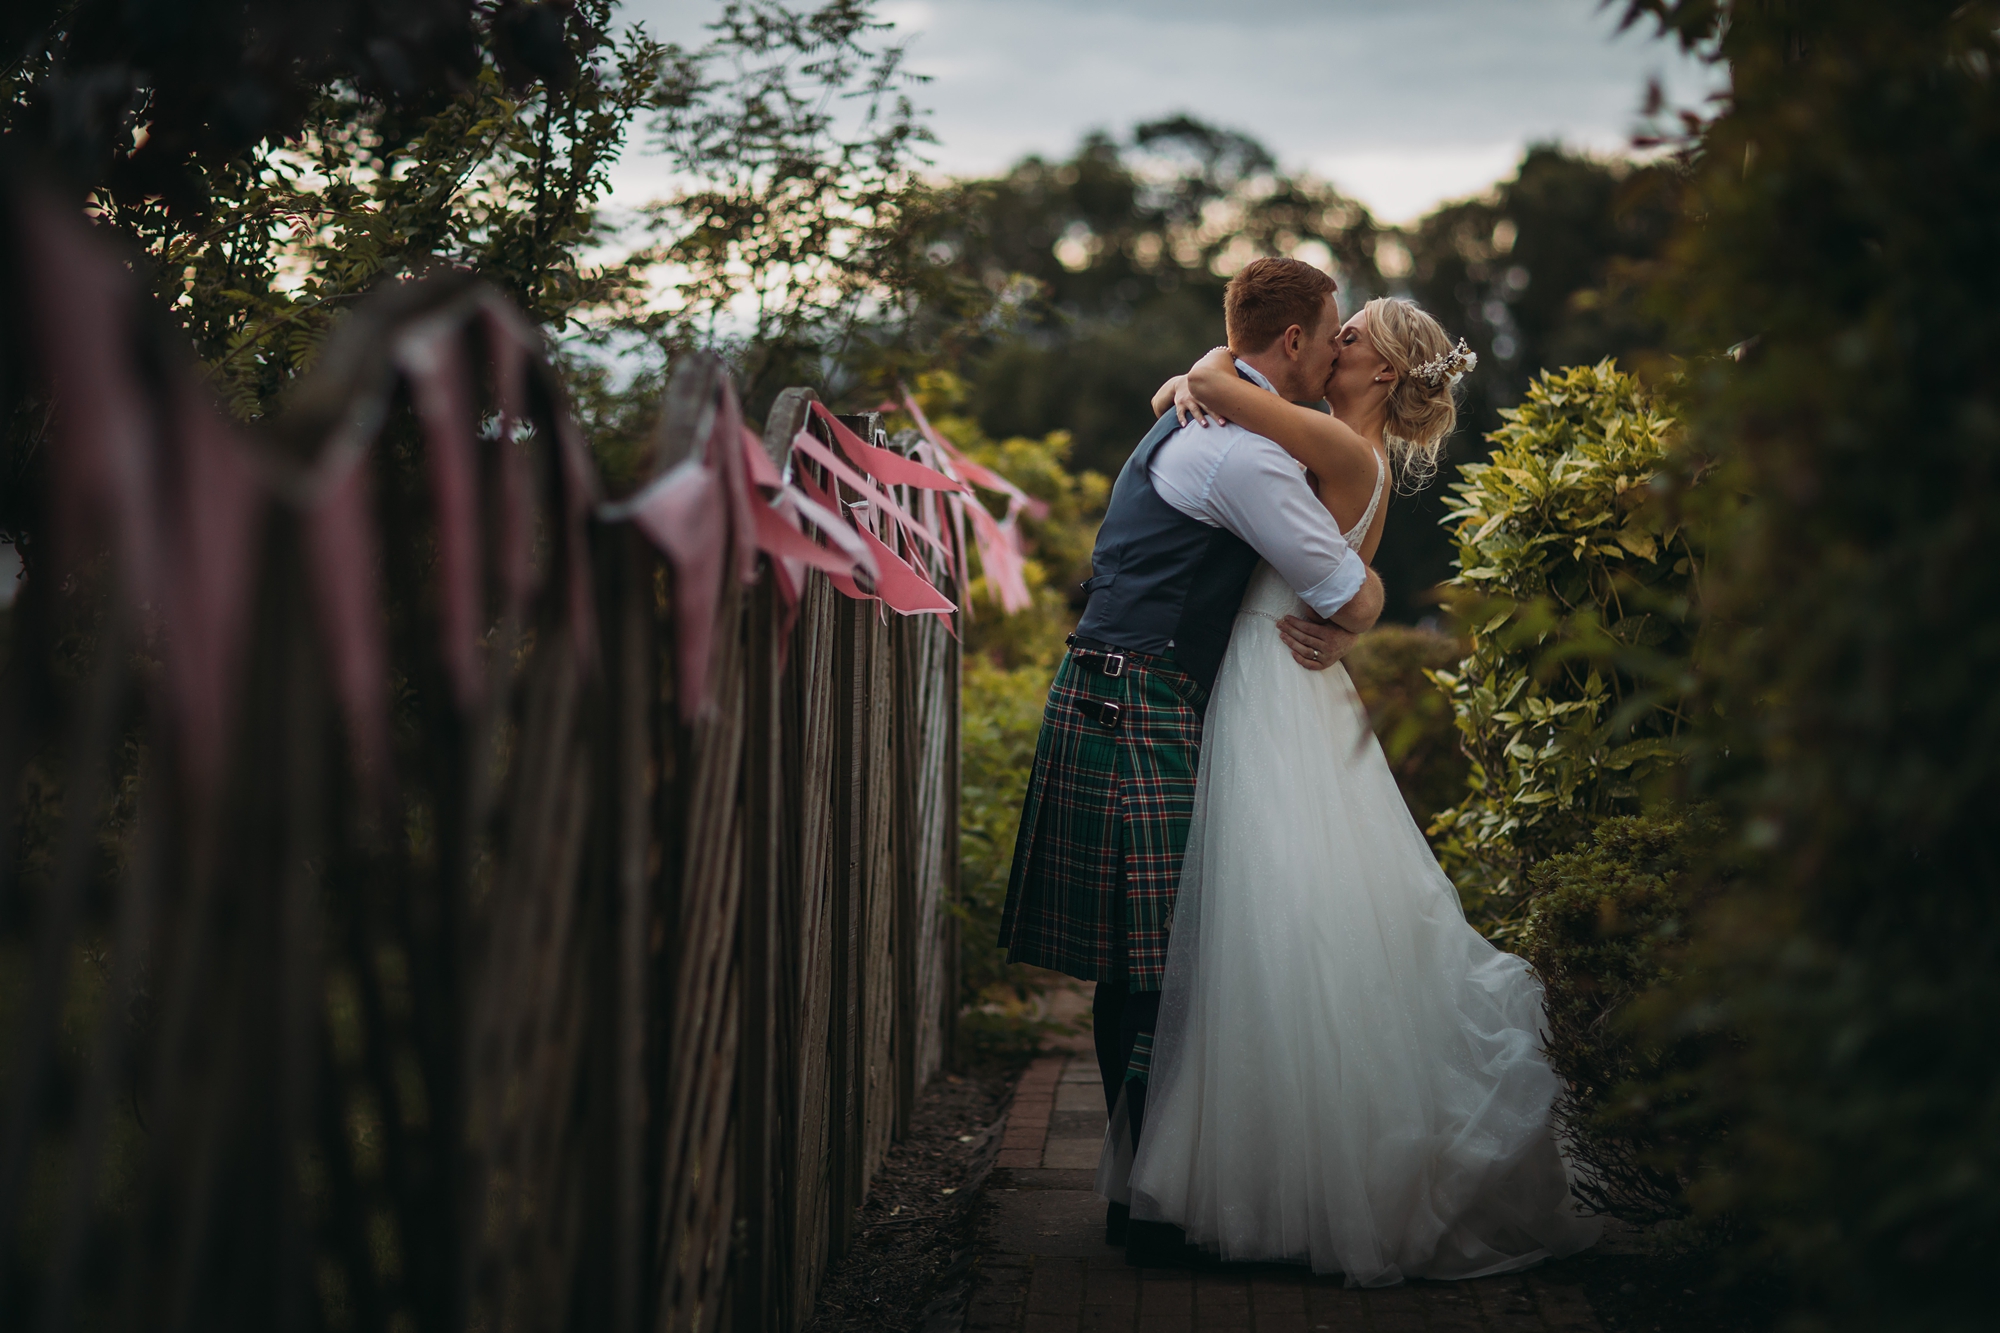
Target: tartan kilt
1098, 856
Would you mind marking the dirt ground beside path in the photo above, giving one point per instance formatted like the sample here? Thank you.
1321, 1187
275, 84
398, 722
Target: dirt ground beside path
911, 1264
912, 1249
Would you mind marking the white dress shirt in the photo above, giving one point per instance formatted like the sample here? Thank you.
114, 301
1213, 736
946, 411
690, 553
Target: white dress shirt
1228, 478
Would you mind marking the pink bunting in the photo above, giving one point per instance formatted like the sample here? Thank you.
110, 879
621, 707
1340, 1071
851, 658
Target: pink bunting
841, 534
1001, 558
951, 521
510, 347
901, 588
790, 573
432, 358
343, 567
1001, 552
705, 517
685, 514
816, 501
971, 471
213, 514
782, 541
810, 446
810, 487
958, 508
725, 455
762, 471
103, 475
897, 585
182, 513
887, 467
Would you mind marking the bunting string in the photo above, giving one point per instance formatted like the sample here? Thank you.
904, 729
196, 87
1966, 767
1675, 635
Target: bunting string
487, 403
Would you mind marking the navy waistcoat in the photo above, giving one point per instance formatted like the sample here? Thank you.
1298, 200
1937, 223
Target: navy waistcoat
1160, 580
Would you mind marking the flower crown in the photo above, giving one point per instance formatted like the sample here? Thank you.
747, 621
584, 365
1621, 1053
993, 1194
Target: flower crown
1449, 368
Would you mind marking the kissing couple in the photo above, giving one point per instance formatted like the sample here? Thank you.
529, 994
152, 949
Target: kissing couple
1308, 1055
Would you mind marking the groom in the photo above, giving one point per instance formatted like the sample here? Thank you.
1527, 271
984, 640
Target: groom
1106, 818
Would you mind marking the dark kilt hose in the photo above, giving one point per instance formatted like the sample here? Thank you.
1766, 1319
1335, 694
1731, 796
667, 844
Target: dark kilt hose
1103, 827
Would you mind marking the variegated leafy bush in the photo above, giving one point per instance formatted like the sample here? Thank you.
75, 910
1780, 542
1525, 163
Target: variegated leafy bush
1574, 581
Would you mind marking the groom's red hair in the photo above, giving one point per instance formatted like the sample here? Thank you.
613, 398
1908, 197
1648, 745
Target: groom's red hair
1267, 297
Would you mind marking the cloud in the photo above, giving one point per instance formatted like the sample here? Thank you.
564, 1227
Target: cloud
1403, 103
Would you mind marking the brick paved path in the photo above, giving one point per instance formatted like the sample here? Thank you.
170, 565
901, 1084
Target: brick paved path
1043, 1266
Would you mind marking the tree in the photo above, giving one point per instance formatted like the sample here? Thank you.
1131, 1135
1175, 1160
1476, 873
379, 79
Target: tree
799, 242
1116, 260
145, 101
396, 140
258, 230
1545, 272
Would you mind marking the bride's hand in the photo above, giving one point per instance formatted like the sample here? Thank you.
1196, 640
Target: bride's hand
1315, 646
1187, 405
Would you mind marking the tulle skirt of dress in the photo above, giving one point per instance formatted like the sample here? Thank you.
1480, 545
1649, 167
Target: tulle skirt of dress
1345, 1073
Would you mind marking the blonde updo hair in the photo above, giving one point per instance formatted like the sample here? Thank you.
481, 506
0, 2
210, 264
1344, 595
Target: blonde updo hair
1420, 415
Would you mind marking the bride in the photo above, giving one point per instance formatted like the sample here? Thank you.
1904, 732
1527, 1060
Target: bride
1345, 1073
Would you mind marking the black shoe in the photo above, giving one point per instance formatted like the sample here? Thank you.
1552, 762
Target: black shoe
1115, 1217
1160, 1245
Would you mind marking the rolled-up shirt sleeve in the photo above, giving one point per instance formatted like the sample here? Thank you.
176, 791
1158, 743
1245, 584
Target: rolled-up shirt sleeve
1260, 494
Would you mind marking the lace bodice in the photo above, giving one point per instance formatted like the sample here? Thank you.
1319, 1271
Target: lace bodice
1271, 597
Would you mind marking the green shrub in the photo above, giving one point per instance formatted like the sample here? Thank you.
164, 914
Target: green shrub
1010, 661
1002, 718
1390, 667
1610, 924
1573, 581
1848, 194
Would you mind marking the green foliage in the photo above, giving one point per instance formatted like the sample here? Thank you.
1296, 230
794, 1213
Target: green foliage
797, 240
1009, 663
1546, 269
1847, 195
135, 100
1116, 259
1610, 923
1573, 579
502, 176
798, 237
1001, 717
1058, 546
1412, 718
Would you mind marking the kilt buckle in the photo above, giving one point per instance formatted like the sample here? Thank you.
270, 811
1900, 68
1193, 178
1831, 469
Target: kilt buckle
1114, 664
1108, 712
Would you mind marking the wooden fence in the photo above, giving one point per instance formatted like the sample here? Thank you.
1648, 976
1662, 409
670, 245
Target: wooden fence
390, 935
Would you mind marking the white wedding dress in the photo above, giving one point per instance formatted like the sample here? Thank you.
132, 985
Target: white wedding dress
1345, 1073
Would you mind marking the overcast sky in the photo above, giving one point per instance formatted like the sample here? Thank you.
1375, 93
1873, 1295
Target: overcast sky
1402, 103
